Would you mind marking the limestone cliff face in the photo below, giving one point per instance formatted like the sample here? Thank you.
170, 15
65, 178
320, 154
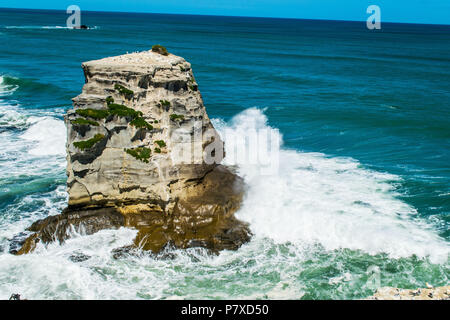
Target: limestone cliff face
165, 114
137, 139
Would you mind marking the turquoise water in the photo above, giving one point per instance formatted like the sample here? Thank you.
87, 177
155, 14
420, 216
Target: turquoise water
362, 198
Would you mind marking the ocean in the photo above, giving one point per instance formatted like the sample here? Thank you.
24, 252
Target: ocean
362, 196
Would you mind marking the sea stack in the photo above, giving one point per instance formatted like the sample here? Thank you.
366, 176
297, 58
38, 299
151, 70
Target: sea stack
143, 153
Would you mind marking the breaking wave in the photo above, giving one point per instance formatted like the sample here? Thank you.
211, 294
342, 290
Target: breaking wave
331, 201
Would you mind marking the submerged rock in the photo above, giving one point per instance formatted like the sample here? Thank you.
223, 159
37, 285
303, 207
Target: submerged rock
16, 296
17, 242
78, 257
142, 153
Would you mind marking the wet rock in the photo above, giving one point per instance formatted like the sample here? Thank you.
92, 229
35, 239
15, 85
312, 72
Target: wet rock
17, 242
203, 218
60, 227
78, 257
16, 296
124, 252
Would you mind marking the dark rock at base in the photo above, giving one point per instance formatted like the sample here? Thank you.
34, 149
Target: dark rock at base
16, 296
79, 257
59, 227
166, 253
123, 252
17, 242
203, 218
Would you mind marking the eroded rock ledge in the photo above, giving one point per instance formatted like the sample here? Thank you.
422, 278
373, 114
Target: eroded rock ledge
128, 134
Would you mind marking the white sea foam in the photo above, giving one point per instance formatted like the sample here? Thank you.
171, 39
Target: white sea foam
334, 202
9, 115
49, 135
11, 118
37, 148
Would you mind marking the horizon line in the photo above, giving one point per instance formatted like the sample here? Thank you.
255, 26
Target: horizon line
226, 16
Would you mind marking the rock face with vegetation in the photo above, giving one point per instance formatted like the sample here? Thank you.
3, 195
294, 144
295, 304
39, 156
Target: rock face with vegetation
137, 137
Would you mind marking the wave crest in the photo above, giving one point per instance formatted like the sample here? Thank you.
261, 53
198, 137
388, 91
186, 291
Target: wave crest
49, 135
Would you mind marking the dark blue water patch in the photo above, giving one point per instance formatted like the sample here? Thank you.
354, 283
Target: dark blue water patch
32, 93
14, 190
31, 86
12, 129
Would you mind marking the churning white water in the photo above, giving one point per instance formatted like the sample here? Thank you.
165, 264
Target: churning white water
333, 202
48, 135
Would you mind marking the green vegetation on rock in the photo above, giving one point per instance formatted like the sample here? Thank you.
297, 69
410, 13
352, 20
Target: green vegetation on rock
192, 84
164, 103
141, 153
82, 145
81, 121
109, 100
123, 91
157, 150
93, 113
140, 122
175, 117
160, 49
123, 111
114, 109
160, 143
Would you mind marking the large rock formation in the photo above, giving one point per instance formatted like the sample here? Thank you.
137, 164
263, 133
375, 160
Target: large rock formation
142, 153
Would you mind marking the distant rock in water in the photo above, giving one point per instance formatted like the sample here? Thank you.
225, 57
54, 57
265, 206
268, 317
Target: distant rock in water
137, 139
83, 27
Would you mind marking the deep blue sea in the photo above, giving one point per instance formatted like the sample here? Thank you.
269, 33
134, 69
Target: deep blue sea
362, 197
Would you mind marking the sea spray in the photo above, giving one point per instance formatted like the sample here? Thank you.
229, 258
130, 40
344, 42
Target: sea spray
334, 202
49, 137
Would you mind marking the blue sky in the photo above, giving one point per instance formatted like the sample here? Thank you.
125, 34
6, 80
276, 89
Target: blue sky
412, 11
